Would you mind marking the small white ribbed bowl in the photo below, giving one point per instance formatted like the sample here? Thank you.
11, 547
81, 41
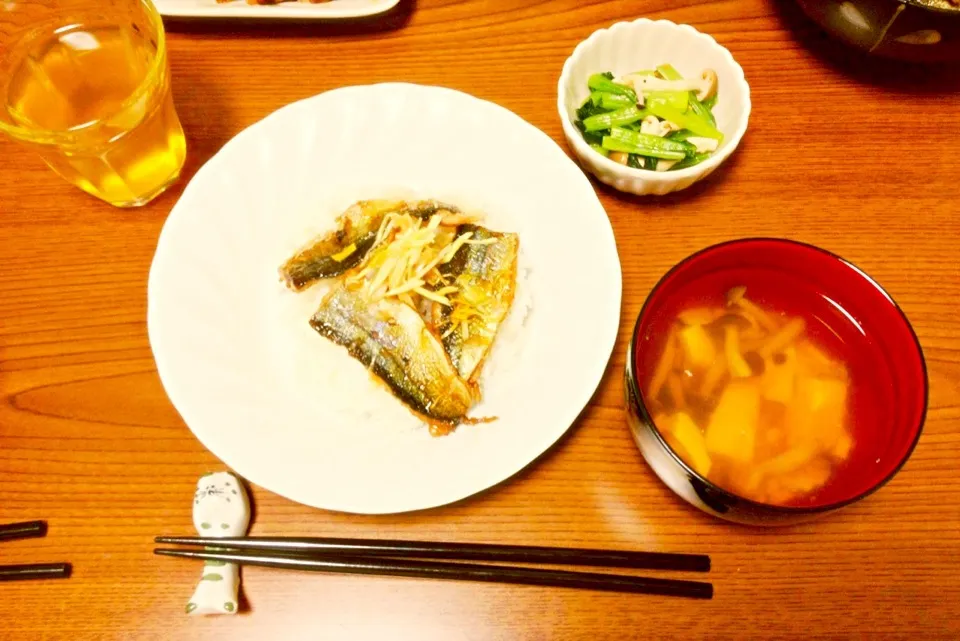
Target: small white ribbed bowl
643, 44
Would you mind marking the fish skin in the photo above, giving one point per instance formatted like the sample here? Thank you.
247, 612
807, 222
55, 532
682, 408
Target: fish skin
393, 341
358, 225
494, 269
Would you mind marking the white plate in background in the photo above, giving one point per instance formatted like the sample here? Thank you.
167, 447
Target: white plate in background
333, 10
294, 413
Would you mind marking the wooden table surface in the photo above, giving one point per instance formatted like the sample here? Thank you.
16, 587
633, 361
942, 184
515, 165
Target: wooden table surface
858, 157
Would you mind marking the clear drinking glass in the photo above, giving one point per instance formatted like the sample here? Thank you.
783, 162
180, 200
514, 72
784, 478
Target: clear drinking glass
86, 84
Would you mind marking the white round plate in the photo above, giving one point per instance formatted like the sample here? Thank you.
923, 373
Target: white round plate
287, 11
294, 413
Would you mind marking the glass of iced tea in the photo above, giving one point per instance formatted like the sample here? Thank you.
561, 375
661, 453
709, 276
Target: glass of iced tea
86, 83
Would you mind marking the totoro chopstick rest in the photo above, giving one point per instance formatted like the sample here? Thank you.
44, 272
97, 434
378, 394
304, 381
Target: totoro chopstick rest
221, 509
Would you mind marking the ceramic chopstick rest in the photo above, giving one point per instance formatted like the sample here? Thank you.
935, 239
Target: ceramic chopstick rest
220, 509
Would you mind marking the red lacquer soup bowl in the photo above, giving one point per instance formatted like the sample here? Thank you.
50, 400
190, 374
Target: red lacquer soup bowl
844, 310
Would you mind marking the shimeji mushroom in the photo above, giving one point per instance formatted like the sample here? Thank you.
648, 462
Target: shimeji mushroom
708, 85
705, 87
656, 127
667, 127
703, 144
651, 126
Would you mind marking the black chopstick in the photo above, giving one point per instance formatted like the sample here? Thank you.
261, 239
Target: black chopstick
29, 530
26, 530
458, 572
35, 571
455, 551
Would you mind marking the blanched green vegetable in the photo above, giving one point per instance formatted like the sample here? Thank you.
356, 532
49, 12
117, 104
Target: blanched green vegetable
590, 137
667, 72
701, 111
697, 107
690, 161
614, 118
599, 149
637, 138
676, 99
684, 119
618, 145
611, 101
604, 82
634, 142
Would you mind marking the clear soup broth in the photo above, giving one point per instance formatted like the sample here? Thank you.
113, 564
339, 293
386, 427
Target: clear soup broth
754, 380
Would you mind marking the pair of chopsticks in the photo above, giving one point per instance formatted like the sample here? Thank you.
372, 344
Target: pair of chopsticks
30, 530
406, 559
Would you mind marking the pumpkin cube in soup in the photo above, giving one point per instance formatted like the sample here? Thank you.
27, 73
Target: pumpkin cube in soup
663, 422
790, 460
812, 361
819, 413
744, 480
779, 376
841, 449
772, 435
689, 442
777, 493
808, 478
698, 350
732, 430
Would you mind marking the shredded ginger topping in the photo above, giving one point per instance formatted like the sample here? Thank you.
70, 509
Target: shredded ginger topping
409, 252
472, 307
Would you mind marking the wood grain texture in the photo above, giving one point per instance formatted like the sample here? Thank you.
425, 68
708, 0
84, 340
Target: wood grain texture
89, 441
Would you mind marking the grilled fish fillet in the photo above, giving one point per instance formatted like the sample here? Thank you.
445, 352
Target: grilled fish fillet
486, 276
336, 252
393, 341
